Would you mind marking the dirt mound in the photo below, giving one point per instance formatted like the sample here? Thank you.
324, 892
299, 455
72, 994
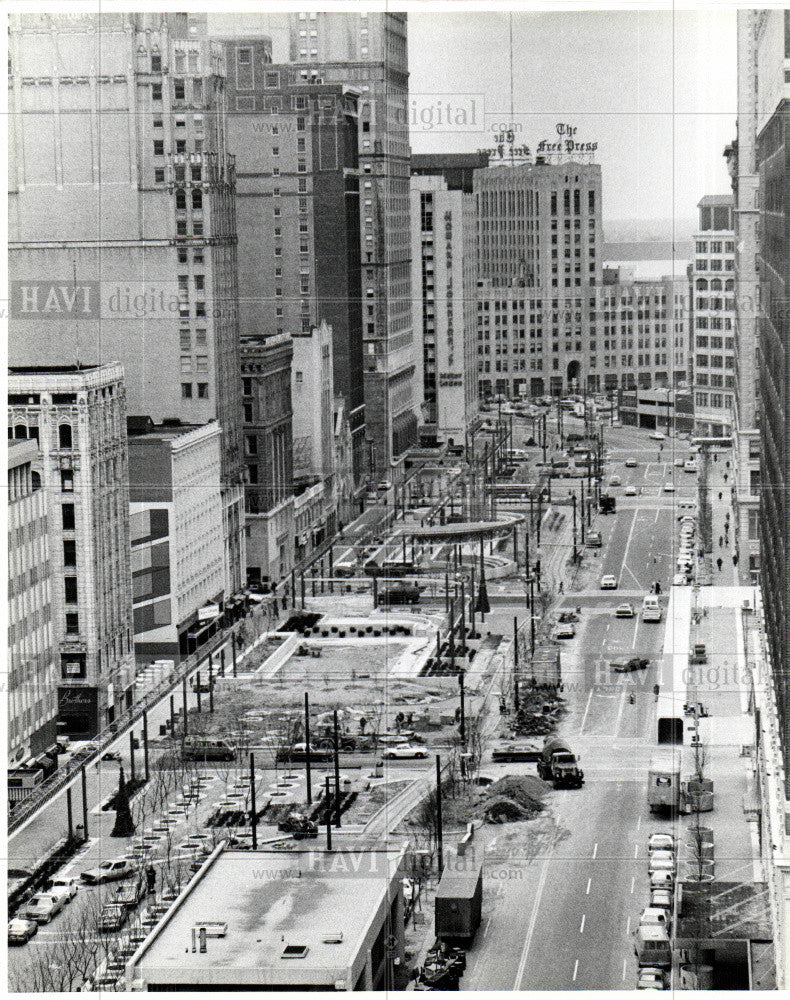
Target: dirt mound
513, 798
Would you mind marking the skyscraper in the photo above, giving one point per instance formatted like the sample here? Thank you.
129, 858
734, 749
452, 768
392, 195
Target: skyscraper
128, 213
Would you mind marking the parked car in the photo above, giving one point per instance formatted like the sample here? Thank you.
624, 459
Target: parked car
631, 463
64, 883
130, 893
44, 906
608, 582
669, 487
661, 898
113, 916
108, 871
404, 750
656, 865
615, 481
632, 491
83, 752
679, 580
651, 978
655, 915
384, 485
624, 611
566, 630
661, 842
594, 540
679, 463
21, 930
111, 755
658, 436
516, 753
298, 825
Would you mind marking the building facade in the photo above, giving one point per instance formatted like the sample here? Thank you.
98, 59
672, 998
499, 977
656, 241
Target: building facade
539, 250
713, 288
32, 670
266, 364
295, 143
78, 417
444, 282
179, 584
122, 232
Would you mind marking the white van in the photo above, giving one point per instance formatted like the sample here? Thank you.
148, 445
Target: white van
651, 609
652, 947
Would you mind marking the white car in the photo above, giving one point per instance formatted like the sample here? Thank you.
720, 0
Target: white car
608, 582
679, 463
661, 842
109, 871
67, 884
405, 750
651, 978
565, 630
632, 491
615, 481
20, 930
656, 865
44, 906
658, 436
631, 463
662, 880
679, 580
669, 487
624, 611
655, 915
662, 899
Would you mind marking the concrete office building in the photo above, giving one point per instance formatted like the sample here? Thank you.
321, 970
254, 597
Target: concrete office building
368, 51
266, 364
742, 162
713, 281
444, 284
644, 333
32, 671
122, 225
178, 566
281, 920
539, 249
298, 192
770, 47
78, 417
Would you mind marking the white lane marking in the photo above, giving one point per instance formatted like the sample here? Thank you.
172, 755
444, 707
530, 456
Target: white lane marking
522, 965
658, 511
628, 926
636, 629
636, 850
633, 882
619, 714
575, 969
488, 924
581, 926
624, 967
639, 823
589, 883
587, 709
595, 851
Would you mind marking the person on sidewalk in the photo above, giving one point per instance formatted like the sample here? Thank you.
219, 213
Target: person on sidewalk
721, 540
562, 587
720, 494
719, 563
735, 558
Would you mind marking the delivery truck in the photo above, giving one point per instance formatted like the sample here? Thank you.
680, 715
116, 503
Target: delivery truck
458, 904
663, 784
559, 764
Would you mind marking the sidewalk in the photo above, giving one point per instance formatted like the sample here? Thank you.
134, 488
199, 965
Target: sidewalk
727, 576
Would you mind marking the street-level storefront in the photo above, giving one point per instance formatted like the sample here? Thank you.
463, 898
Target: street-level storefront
78, 711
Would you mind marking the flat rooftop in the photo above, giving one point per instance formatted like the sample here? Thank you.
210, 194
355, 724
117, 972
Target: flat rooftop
322, 903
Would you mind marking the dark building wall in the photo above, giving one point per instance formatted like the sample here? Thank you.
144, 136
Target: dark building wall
773, 156
150, 471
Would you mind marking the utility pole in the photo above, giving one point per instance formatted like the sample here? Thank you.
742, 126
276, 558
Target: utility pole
573, 498
439, 839
462, 729
328, 815
253, 807
308, 776
337, 771
532, 615
582, 509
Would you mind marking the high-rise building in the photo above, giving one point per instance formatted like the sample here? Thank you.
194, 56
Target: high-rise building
367, 51
444, 283
266, 364
122, 222
295, 144
32, 671
741, 157
539, 250
178, 565
78, 417
713, 288
771, 50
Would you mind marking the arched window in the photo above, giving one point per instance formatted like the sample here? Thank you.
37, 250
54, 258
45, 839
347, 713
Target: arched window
20, 432
715, 285
64, 435
702, 285
181, 199
35, 480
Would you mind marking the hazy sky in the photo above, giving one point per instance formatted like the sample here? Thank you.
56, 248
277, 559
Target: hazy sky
656, 90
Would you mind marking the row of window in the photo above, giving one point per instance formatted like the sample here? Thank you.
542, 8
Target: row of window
715, 246
187, 390
717, 400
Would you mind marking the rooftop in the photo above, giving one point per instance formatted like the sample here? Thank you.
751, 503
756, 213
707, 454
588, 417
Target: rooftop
711, 200
286, 913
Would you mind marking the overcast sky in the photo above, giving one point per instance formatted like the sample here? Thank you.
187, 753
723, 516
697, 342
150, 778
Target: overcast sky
656, 90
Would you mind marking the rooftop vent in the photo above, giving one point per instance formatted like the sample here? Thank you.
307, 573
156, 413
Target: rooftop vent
295, 951
214, 928
333, 937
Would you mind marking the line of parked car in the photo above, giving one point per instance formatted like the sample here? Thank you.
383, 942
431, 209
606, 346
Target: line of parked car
652, 938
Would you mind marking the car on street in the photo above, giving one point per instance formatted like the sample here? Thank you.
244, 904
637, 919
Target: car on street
44, 906
631, 463
110, 755
298, 753
405, 750
565, 630
679, 463
298, 825
690, 465
655, 915
108, 871
608, 582
679, 580
632, 491
651, 978
624, 611
83, 752
659, 863
615, 481
384, 485
669, 487
658, 436
594, 540
629, 666
21, 930
662, 899
113, 916
130, 893
68, 884
661, 842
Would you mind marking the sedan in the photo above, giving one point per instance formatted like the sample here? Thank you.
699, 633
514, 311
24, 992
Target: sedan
624, 611
565, 631
669, 487
113, 916
615, 481
608, 582
20, 930
44, 906
629, 666
631, 463
651, 978
661, 899
679, 580
405, 751
679, 463
108, 871
66, 884
661, 842
658, 436
632, 491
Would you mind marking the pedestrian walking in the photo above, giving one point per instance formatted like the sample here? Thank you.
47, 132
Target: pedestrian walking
735, 558
562, 587
721, 540
720, 494
725, 477
150, 878
715, 457
658, 587
727, 464
719, 563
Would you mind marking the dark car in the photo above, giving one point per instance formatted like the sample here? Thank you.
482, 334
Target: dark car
298, 826
130, 893
113, 916
298, 753
629, 666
